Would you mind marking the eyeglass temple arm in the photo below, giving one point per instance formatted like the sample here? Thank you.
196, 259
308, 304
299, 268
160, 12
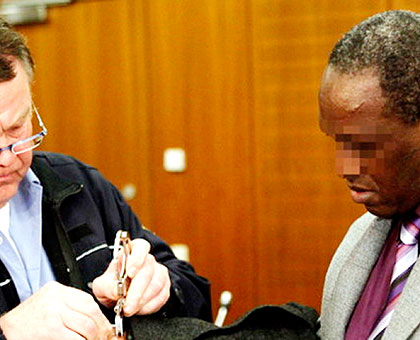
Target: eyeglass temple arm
41, 123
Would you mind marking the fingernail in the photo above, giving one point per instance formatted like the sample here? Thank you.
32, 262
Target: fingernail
128, 309
131, 272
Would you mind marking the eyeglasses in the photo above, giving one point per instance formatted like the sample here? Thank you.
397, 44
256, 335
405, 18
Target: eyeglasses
29, 143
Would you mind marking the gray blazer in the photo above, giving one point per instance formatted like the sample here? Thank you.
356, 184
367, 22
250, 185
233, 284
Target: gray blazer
348, 273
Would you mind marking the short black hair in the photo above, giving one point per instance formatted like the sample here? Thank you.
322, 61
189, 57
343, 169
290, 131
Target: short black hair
388, 42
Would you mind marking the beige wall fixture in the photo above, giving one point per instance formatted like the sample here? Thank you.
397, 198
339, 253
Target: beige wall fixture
22, 12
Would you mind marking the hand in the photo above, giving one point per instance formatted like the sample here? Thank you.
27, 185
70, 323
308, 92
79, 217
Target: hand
56, 312
149, 287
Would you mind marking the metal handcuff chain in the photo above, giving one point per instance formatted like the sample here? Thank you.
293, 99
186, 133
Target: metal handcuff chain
122, 249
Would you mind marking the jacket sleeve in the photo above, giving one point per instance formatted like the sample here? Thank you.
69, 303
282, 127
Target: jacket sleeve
190, 293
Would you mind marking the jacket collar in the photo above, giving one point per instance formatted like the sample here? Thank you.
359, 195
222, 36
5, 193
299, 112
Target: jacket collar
55, 240
56, 188
355, 271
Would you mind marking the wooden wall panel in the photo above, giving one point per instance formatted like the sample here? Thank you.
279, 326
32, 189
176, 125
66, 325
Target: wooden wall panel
411, 5
89, 86
301, 204
201, 101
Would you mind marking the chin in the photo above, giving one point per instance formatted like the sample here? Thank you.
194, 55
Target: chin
382, 211
7, 193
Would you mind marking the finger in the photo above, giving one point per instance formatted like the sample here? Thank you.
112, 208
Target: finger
68, 334
140, 248
159, 282
104, 287
87, 316
157, 293
139, 285
155, 304
82, 326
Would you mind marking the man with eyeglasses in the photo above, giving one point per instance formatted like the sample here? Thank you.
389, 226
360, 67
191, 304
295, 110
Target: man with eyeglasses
58, 219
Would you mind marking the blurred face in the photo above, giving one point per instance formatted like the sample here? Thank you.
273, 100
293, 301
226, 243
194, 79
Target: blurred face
15, 125
379, 157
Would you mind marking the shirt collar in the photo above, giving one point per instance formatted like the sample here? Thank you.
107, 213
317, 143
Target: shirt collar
31, 177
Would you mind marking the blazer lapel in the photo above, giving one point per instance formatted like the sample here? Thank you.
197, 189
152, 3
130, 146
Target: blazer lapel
355, 272
406, 317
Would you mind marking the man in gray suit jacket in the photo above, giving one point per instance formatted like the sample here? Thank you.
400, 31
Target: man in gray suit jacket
370, 105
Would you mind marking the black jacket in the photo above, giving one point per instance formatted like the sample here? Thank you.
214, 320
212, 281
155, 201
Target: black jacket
291, 321
81, 212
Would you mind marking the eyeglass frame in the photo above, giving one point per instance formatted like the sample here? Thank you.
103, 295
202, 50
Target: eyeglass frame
41, 135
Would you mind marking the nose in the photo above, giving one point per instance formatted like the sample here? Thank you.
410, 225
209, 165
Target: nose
352, 163
6, 158
348, 163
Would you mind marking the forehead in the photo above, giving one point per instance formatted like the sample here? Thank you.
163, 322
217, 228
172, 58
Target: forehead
354, 128
351, 103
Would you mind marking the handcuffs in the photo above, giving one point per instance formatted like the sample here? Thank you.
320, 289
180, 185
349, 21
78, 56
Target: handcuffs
122, 249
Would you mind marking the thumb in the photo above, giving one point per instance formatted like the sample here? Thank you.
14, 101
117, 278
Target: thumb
104, 287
